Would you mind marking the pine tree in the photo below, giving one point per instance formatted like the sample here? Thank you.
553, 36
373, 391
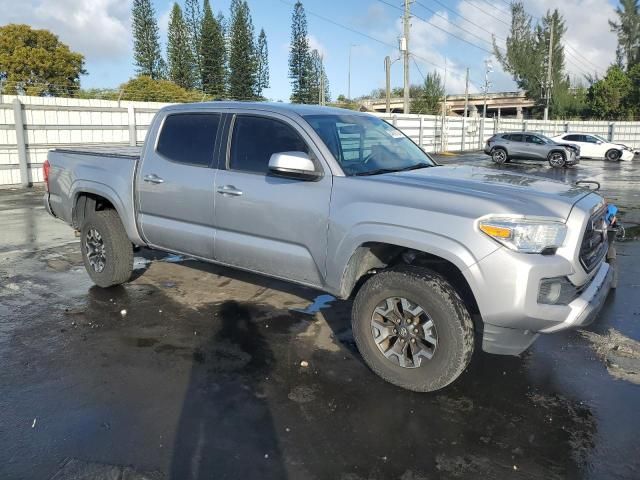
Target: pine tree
242, 53
263, 63
179, 55
628, 30
317, 78
193, 19
212, 54
299, 57
146, 40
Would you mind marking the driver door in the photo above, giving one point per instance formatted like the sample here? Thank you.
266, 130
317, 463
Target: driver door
264, 223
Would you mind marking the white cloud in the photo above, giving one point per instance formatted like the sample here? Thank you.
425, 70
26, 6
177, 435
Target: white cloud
315, 44
589, 44
99, 29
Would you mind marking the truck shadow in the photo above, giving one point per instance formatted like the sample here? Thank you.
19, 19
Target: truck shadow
225, 428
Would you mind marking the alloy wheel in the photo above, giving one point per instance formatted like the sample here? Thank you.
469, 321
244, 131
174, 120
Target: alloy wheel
403, 332
95, 250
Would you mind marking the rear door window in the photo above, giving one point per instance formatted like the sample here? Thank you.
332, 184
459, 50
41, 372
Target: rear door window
189, 138
516, 137
574, 138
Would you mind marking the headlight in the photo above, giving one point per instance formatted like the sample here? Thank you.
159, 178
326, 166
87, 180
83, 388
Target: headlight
524, 235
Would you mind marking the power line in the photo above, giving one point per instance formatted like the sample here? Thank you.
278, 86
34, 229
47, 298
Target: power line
442, 29
453, 24
358, 32
484, 11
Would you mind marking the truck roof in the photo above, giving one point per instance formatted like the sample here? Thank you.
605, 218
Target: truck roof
280, 107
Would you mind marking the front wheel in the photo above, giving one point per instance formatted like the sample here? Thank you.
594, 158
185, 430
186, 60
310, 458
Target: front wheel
557, 159
412, 328
613, 155
106, 250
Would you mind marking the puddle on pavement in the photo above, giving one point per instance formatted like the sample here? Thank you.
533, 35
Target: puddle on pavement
620, 354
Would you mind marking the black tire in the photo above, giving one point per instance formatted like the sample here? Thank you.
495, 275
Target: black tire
499, 156
443, 306
613, 155
557, 159
118, 250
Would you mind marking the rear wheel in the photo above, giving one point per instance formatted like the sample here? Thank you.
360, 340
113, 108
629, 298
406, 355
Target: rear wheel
412, 328
613, 155
557, 159
499, 156
106, 250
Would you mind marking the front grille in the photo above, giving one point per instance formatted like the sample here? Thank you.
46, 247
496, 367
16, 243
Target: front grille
594, 243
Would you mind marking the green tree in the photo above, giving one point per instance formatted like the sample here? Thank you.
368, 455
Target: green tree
146, 89
608, 98
526, 54
299, 57
179, 54
318, 79
213, 54
193, 18
633, 98
429, 100
628, 30
37, 63
242, 53
146, 40
263, 64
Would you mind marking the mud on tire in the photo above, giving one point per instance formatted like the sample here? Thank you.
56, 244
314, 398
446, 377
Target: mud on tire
103, 231
443, 306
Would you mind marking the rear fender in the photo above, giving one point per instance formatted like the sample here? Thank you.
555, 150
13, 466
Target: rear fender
126, 213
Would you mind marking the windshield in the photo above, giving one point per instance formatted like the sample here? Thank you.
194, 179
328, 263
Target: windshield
546, 140
366, 145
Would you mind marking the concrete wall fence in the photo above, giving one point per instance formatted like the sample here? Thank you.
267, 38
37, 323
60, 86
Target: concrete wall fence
31, 126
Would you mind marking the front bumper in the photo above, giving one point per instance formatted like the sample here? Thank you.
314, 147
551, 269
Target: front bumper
516, 323
627, 155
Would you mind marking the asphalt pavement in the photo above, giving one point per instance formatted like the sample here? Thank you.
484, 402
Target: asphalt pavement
193, 371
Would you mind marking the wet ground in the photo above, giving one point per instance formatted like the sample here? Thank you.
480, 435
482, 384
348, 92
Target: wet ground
195, 371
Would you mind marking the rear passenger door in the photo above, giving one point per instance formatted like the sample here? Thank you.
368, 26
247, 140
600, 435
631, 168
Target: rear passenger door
264, 223
175, 184
515, 147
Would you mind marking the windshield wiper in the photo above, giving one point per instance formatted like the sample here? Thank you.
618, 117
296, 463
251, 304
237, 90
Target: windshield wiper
393, 170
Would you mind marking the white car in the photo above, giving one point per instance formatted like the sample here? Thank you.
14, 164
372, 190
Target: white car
594, 146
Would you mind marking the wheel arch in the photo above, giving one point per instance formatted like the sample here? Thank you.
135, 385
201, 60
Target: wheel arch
90, 196
371, 257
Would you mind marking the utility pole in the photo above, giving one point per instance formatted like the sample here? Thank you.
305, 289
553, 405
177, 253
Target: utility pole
443, 141
349, 79
547, 89
466, 111
321, 92
404, 46
387, 72
488, 68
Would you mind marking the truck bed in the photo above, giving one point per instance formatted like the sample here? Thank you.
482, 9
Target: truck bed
124, 151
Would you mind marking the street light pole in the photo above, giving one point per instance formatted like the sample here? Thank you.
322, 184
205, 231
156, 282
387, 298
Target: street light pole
349, 74
405, 50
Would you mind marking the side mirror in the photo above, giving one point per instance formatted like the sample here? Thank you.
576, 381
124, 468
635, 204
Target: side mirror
293, 165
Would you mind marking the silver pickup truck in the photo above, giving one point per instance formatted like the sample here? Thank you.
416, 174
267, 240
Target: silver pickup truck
436, 258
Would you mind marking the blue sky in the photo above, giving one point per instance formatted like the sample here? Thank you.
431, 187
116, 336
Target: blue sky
100, 29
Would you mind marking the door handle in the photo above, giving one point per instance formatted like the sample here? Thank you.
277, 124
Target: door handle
153, 178
229, 190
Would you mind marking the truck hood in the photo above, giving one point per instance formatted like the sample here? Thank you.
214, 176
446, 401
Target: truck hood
511, 192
